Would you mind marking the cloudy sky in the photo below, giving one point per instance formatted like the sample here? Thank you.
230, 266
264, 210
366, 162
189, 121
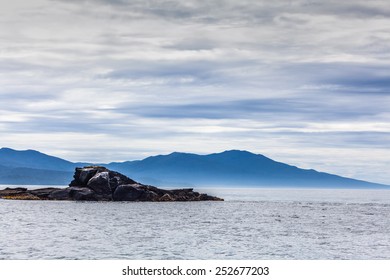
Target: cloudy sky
304, 82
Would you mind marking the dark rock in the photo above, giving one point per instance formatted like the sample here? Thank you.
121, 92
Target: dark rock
86, 174
166, 197
97, 183
204, 196
127, 193
100, 185
159, 192
16, 189
149, 196
85, 194
83, 175
62, 194
117, 179
43, 193
12, 191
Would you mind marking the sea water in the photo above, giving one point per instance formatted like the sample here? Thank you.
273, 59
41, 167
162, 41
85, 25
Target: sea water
249, 224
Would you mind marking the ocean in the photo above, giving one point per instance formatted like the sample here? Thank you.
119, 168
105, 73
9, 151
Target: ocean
294, 224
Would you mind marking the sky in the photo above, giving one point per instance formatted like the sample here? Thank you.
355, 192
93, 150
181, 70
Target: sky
303, 82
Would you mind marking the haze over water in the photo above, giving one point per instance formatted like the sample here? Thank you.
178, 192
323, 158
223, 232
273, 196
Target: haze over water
249, 224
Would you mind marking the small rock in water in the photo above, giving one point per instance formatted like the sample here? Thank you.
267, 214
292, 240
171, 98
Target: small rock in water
97, 183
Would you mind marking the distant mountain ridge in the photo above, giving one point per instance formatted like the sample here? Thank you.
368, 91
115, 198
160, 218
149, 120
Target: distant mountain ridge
230, 168
33, 159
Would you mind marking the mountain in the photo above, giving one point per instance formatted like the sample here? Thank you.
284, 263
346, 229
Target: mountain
229, 168
33, 159
31, 176
34, 168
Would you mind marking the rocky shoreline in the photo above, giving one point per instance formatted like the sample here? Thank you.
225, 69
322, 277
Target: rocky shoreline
97, 183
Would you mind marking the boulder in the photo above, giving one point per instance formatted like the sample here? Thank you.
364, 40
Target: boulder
100, 185
117, 179
84, 194
83, 175
62, 194
127, 193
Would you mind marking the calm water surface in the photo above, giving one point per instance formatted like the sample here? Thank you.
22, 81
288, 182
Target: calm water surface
250, 224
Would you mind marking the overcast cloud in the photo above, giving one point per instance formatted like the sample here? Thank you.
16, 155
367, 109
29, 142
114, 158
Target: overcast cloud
303, 82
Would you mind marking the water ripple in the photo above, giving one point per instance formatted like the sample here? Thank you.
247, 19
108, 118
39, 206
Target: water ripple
270, 229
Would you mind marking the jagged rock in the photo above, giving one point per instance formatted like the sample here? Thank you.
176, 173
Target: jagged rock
117, 179
83, 175
100, 185
166, 197
97, 183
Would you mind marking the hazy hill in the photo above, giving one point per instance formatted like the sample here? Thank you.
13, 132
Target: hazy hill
30, 176
229, 168
33, 159
34, 168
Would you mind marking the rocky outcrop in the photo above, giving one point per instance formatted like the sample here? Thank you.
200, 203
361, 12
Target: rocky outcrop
97, 183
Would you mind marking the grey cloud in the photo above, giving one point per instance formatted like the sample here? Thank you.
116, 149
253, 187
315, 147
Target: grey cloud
247, 11
198, 71
344, 78
365, 84
194, 44
360, 9
271, 110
